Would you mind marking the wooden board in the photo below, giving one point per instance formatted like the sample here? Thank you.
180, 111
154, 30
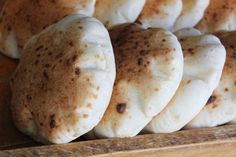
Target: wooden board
217, 142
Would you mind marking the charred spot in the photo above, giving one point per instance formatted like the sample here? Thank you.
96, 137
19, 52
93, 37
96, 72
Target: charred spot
120, 108
211, 99
80, 27
41, 124
74, 58
29, 98
36, 62
59, 55
163, 40
45, 75
47, 65
9, 29
226, 89
77, 71
214, 15
231, 46
142, 52
139, 61
71, 43
52, 122
39, 48
49, 53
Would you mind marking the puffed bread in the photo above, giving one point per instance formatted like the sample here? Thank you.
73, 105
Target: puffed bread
160, 13
220, 15
204, 58
116, 12
21, 19
149, 70
192, 13
64, 81
221, 106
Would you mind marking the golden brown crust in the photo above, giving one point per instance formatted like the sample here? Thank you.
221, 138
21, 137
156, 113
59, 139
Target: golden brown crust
217, 14
29, 17
151, 9
134, 52
228, 39
49, 87
57, 91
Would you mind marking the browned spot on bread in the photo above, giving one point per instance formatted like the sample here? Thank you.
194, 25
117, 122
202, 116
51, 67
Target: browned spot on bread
139, 61
74, 58
120, 108
85, 116
211, 100
226, 89
39, 48
52, 122
71, 43
214, 106
89, 105
77, 70
45, 75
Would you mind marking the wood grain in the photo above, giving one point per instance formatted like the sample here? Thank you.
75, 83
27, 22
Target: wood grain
217, 142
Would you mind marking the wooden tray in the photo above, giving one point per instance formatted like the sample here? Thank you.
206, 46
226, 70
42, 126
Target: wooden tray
211, 142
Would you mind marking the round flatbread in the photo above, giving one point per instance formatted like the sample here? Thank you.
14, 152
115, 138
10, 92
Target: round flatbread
115, 12
21, 19
221, 106
192, 13
64, 81
220, 15
149, 70
160, 13
204, 58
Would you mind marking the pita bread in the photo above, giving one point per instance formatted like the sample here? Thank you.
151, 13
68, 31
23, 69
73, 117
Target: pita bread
21, 19
220, 15
204, 58
64, 81
191, 14
160, 13
221, 106
149, 70
115, 12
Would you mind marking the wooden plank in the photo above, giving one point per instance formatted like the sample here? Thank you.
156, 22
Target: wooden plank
217, 142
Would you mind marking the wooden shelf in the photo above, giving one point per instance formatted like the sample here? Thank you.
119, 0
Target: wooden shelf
209, 142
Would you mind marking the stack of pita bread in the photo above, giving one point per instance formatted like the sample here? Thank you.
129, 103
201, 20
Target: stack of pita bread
117, 68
